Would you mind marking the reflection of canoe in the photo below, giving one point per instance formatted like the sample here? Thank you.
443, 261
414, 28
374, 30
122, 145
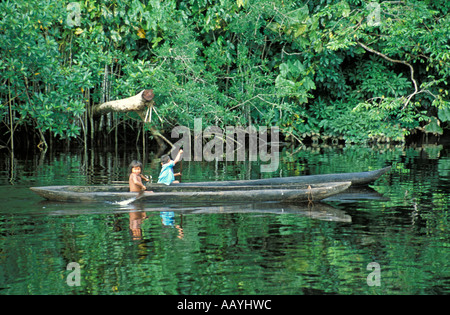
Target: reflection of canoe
355, 194
299, 193
357, 179
319, 211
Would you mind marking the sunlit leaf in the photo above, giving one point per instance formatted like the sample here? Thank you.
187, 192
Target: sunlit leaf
141, 33
78, 31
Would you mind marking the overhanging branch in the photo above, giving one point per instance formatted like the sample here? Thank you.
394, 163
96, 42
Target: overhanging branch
416, 89
137, 103
142, 103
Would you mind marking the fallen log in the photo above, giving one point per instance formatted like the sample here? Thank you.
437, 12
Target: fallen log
138, 103
141, 103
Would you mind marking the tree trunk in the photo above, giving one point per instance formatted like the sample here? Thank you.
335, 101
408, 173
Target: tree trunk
141, 103
137, 103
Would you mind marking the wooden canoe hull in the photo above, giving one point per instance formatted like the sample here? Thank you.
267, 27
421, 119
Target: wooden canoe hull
357, 179
301, 193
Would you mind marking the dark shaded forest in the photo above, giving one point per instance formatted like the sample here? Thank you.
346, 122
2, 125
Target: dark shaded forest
333, 71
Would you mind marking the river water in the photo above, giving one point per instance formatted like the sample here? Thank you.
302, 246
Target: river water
391, 238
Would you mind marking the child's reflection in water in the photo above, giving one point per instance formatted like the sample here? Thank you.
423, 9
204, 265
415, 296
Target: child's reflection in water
167, 219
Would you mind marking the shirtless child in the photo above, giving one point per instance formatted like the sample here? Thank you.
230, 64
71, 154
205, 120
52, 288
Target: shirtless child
136, 177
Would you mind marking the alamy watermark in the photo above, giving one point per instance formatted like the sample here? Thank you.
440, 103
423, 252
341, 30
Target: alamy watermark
374, 278
373, 19
74, 277
229, 144
73, 14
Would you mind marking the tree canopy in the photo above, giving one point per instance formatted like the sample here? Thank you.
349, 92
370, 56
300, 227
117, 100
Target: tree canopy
352, 69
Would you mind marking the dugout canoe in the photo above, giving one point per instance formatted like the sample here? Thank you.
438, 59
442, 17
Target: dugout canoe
243, 194
357, 179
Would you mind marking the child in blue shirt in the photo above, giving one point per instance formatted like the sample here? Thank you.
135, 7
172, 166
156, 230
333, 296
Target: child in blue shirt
167, 176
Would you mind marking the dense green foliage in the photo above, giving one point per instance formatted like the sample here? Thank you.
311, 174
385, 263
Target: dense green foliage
354, 69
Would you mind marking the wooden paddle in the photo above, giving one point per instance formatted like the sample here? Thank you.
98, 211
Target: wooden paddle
141, 192
133, 199
181, 169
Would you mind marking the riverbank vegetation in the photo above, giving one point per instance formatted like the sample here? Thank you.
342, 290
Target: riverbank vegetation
350, 70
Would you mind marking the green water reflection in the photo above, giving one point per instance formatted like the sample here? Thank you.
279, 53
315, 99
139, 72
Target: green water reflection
402, 224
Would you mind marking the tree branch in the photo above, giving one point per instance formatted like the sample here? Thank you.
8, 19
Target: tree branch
135, 103
416, 89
